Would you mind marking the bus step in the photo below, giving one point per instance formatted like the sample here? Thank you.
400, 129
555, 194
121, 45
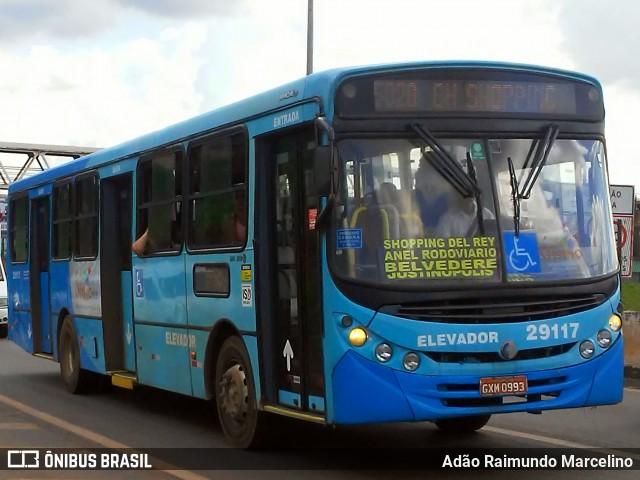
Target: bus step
123, 380
48, 356
295, 414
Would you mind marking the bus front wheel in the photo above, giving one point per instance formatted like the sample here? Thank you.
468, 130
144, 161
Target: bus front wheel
241, 422
74, 378
463, 424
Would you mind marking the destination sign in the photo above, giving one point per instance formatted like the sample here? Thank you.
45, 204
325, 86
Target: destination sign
474, 96
469, 93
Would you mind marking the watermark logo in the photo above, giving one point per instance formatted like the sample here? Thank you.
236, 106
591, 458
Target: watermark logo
23, 459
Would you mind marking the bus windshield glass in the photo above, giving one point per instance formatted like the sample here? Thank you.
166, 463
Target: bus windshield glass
404, 219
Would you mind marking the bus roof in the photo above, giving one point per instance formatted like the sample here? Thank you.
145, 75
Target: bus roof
318, 85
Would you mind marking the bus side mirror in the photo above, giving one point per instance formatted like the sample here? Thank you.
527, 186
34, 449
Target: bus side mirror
322, 169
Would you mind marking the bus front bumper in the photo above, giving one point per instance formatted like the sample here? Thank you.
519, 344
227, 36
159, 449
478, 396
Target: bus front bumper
367, 392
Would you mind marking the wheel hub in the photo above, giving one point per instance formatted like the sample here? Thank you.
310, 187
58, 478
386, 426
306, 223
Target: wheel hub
234, 393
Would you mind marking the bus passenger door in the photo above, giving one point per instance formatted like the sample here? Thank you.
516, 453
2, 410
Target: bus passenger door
288, 273
115, 267
39, 276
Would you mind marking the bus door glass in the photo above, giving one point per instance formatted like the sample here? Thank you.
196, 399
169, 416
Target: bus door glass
115, 266
39, 275
294, 246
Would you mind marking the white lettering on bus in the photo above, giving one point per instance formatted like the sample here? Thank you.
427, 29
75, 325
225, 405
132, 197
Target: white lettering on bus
469, 338
180, 339
286, 119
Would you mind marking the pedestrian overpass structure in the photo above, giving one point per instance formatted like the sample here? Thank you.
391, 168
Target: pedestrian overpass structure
19, 160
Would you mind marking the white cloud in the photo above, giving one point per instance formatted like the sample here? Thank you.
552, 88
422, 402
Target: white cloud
96, 98
140, 66
364, 32
186, 8
621, 103
603, 38
63, 19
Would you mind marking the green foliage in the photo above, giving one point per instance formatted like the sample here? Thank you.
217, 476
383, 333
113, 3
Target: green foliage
631, 296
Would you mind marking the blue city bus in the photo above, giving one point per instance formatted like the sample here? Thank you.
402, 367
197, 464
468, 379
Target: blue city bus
399, 243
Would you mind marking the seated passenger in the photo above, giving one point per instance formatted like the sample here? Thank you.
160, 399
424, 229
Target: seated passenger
461, 218
388, 194
431, 193
140, 245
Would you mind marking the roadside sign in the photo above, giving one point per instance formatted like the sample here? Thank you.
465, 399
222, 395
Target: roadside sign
624, 235
623, 208
622, 199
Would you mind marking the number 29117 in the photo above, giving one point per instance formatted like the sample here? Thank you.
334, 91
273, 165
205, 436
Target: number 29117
553, 331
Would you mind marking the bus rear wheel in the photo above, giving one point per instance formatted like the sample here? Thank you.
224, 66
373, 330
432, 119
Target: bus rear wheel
241, 422
463, 424
74, 378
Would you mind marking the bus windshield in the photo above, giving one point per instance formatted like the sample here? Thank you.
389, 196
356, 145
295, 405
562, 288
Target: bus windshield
402, 219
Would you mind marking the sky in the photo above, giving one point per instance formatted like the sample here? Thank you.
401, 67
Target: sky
101, 72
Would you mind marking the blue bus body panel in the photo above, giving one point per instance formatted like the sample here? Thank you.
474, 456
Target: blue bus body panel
19, 306
60, 289
20, 330
159, 302
44, 311
127, 322
205, 311
163, 357
198, 381
90, 341
159, 290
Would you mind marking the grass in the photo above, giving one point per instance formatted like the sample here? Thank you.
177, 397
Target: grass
631, 296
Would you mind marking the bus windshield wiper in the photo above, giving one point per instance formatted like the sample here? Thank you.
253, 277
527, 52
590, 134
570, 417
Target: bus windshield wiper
539, 160
515, 197
542, 149
478, 198
447, 166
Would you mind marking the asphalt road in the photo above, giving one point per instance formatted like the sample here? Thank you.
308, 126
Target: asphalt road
36, 412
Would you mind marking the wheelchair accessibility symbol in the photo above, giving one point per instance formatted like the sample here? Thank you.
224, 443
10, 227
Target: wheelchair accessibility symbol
522, 253
139, 279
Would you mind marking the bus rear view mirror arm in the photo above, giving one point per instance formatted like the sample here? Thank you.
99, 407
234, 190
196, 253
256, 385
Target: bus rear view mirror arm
324, 167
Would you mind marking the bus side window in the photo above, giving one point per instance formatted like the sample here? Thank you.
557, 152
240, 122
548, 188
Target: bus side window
217, 192
86, 215
19, 229
62, 221
160, 204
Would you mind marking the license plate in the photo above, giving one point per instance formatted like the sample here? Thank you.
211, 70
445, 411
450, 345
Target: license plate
493, 386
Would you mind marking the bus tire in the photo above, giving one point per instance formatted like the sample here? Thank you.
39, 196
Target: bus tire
74, 378
241, 422
4, 330
463, 424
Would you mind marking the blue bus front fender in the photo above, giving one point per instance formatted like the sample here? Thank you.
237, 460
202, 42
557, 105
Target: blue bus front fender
365, 391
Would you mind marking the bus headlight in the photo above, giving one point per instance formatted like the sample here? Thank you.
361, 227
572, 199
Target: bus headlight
587, 348
384, 352
411, 361
604, 338
615, 323
357, 336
